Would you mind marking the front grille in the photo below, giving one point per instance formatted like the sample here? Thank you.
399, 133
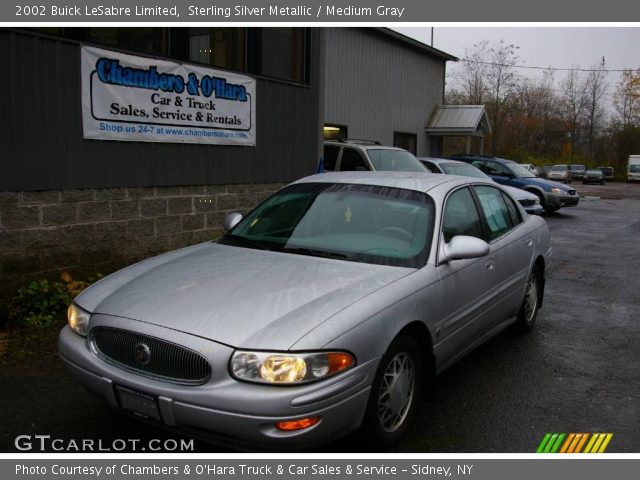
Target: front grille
150, 356
527, 202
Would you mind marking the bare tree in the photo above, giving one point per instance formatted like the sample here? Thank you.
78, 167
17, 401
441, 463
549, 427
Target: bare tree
574, 102
594, 86
502, 81
471, 75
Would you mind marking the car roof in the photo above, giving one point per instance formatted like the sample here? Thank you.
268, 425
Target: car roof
482, 157
421, 182
363, 144
438, 161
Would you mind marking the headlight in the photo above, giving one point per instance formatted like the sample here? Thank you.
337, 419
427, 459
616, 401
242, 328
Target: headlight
558, 191
288, 368
78, 319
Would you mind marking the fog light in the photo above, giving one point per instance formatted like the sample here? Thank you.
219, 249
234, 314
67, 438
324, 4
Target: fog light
301, 424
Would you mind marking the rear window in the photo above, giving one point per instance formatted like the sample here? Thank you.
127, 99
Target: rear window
394, 160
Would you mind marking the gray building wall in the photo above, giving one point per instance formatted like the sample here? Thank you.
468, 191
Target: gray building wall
376, 85
87, 206
41, 100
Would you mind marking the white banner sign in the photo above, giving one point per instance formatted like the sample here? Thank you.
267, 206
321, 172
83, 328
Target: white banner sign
131, 98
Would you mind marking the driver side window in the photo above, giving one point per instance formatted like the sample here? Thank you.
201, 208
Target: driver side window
461, 216
494, 168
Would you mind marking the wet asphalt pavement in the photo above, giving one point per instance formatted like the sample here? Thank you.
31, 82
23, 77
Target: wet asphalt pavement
577, 371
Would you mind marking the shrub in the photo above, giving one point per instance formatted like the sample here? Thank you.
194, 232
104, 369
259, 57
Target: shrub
42, 304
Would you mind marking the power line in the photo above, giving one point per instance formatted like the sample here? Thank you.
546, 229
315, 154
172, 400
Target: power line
552, 68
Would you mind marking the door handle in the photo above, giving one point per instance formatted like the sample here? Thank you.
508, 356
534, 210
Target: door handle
528, 242
490, 265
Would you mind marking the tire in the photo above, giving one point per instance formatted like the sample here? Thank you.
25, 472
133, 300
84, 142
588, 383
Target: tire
395, 393
531, 302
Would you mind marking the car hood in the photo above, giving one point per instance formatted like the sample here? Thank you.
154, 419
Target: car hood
519, 194
237, 296
546, 184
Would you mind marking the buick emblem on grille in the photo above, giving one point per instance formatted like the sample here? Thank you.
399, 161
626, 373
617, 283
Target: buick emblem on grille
143, 354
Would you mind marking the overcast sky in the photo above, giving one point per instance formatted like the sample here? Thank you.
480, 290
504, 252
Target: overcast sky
545, 46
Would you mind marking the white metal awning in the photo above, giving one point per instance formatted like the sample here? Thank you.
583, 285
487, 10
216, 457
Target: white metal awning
459, 120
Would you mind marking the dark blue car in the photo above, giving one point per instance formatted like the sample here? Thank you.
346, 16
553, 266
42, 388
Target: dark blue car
553, 195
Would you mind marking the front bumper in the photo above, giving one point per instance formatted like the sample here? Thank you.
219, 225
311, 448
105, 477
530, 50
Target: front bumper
559, 178
558, 201
593, 180
534, 209
224, 410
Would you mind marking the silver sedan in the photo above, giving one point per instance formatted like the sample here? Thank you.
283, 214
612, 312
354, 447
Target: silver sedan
330, 307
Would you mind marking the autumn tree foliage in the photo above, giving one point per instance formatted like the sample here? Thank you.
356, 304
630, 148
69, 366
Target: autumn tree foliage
567, 116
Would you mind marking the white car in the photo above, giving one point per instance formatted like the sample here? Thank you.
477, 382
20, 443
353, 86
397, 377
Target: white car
531, 167
560, 173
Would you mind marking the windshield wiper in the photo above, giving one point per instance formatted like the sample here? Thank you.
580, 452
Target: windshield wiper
314, 252
245, 242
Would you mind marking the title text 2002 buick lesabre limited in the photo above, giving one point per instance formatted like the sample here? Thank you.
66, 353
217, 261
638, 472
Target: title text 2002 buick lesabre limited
329, 307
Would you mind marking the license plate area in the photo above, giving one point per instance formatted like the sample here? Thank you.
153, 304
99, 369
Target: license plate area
138, 403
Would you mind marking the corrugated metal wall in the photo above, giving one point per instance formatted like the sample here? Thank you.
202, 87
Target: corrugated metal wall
41, 130
375, 86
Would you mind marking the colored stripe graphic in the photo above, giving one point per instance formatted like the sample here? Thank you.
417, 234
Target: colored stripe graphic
574, 442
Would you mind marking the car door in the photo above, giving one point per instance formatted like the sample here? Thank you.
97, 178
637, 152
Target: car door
511, 251
466, 285
498, 172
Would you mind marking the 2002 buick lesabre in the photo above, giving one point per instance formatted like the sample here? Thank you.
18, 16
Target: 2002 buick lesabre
329, 307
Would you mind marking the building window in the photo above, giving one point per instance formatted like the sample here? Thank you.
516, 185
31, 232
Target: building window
334, 132
220, 47
408, 141
278, 52
154, 41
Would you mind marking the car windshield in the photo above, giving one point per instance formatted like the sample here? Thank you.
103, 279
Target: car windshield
634, 168
384, 159
361, 223
518, 170
463, 169
559, 168
578, 168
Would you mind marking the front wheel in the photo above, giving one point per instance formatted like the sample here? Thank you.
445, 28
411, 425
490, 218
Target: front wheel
531, 303
395, 392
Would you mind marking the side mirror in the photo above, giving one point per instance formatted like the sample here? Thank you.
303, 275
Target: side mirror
231, 221
462, 246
